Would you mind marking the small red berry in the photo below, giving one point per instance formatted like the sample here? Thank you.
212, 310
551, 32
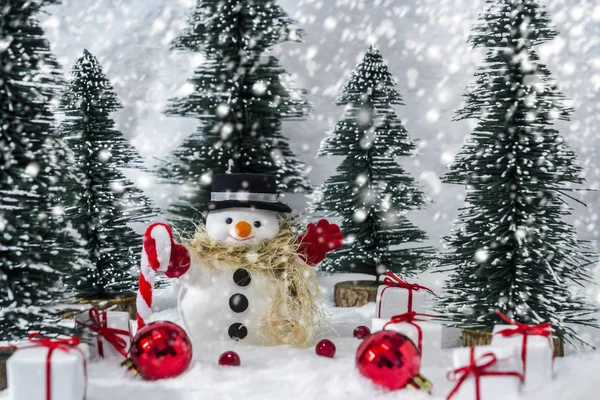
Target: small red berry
229, 358
325, 348
361, 332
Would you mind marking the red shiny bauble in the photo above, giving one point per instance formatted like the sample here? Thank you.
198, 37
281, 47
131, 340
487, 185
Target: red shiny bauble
161, 350
325, 348
389, 359
229, 358
361, 332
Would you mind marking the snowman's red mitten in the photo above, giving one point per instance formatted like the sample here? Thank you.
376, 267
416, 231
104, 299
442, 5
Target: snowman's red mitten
164, 255
318, 240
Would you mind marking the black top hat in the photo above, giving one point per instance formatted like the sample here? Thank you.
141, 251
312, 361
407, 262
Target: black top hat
245, 191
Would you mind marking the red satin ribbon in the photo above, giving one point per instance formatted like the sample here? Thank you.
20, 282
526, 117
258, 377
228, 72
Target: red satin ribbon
410, 318
526, 330
477, 368
99, 324
66, 345
392, 280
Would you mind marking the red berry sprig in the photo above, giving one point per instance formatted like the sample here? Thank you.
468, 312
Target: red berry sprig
325, 348
230, 359
361, 332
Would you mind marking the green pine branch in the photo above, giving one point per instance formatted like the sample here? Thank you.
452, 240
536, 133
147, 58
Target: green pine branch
371, 193
240, 95
31, 160
511, 249
101, 202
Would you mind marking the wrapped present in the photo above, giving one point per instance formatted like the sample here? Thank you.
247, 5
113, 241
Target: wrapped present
427, 335
113, 332
48, 369
397, 297
534, 345
483, 372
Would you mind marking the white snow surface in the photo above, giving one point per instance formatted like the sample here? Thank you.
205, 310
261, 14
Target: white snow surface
281, 372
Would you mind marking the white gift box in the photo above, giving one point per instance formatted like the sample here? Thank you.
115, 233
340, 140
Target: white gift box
26, 373
114, 320
537, 361
431, 336
490, 386
392, 300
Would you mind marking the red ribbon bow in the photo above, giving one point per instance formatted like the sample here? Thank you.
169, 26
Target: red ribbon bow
66, 345
477, 368
410, 318
526, 330
99, 324
392, 280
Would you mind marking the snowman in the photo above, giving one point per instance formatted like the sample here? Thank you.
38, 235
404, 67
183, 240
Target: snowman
245, 275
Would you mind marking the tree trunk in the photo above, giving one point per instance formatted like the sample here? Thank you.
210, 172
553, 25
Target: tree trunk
4, 355
2, 374
355, 293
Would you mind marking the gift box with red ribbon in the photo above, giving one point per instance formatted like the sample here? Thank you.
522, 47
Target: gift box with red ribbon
112, 329
534, 346
425, 333
485, 372
396, 296
48, 369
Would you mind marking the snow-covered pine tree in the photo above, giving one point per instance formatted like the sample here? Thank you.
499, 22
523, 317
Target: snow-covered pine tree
510, 249
371, 192
30, 216
103, 203
240, 94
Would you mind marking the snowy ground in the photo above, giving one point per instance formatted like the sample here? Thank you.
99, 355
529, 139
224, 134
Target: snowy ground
285, 373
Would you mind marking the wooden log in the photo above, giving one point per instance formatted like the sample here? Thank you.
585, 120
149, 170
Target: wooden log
5, 353
355, 293
3, 374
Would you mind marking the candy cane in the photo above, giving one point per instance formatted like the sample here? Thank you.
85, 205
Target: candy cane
156, 253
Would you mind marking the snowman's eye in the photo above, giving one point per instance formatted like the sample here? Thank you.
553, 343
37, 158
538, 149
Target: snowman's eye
257, 224
228, 221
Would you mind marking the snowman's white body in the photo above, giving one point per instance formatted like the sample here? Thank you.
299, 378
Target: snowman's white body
204, 299
204, 303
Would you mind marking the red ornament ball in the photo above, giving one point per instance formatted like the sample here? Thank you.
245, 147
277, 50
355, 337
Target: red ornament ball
388, 358
229, 358
361, 332
325, 348
161, 350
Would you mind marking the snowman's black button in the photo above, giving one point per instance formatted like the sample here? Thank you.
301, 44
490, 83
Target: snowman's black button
238, 303
241, 277
237, 331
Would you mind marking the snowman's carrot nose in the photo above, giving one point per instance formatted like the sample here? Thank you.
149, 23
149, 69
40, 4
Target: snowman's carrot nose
243, 229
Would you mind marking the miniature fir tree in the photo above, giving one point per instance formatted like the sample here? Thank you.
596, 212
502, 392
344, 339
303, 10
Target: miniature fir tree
103, 203
240, 94
30, 216
371, 192
511, 251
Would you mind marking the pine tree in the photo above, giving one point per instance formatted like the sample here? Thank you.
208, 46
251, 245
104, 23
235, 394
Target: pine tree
240, 94
371, 192
510, 249
30, 214
102, 202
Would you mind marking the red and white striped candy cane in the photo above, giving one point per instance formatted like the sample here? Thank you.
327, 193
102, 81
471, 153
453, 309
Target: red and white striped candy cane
156, 254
